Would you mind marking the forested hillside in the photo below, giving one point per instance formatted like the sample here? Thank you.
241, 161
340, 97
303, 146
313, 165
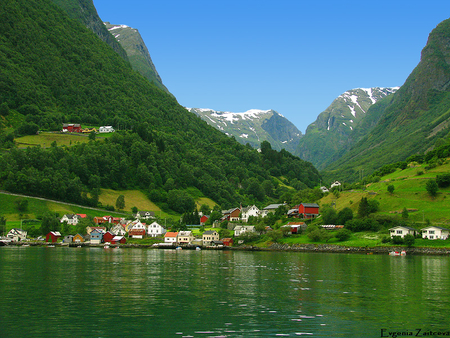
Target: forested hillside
412, 121
54, 70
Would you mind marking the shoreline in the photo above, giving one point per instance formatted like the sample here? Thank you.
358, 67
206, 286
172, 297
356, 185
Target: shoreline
323, 248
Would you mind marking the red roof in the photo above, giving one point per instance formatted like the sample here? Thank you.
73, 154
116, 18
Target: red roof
171, 234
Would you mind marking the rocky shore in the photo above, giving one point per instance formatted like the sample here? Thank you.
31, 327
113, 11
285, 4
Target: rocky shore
328, 248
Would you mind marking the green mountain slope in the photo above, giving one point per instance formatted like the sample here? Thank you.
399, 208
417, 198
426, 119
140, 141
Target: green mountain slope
253, 127
137, 52
85, 12
416, 116
54, 70
340, 126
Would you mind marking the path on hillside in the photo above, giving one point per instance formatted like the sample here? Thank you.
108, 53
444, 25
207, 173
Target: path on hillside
60, 202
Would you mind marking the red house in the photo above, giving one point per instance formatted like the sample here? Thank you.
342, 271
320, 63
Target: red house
227, 241
71, 128
118, 240
203, 219
308, 210
108, 237
52, 236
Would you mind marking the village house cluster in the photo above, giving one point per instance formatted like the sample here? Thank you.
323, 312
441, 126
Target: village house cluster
76, 128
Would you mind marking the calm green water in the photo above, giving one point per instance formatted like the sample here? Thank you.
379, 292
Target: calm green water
82, 292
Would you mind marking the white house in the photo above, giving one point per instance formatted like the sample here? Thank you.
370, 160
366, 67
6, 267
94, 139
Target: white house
402, 231
249, 211
335, 184
72, 219
270, 208
17, 235
137, 230
144, 215
324, 189
118, 229
240, 229
106, 129
170, 237
155, 230
435, 232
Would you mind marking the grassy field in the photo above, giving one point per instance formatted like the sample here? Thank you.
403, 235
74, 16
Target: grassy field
45, 139
37, 208
410, 193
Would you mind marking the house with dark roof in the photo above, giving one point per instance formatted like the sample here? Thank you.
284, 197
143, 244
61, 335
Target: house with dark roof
402, 231
435, 232
210, 236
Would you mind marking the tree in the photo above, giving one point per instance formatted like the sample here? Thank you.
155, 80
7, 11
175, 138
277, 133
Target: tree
432, 188
391, 188
92, 136
343, 234
134, 210
363, 208
22, 205
120, 202
49, 223
345, 215
329, 215
405, 214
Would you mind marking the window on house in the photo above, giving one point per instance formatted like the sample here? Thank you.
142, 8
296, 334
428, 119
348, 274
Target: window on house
431, 232
399, 232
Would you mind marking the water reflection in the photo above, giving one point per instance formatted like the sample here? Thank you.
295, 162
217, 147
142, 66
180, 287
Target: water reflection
167, 293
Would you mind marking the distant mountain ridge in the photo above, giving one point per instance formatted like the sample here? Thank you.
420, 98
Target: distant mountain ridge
254, 126
338, 127
131, 41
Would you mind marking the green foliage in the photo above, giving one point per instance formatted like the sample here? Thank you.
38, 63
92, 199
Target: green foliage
49, 223
432, 187
343, 234
443, 180
344, 215
120, 202
390, 188
22, 205
405, 213
362, 224
54, 70
409, 240
329, 215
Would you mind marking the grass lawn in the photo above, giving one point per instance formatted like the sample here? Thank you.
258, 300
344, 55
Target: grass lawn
133, 198
45, 139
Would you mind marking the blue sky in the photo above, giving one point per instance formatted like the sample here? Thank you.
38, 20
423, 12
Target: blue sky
292, 56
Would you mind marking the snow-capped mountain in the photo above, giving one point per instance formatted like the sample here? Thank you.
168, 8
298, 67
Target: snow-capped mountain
253, 126
341, 125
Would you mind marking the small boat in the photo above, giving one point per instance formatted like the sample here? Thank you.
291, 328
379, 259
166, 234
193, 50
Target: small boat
106, 246
198, 249
396, 253
179, 248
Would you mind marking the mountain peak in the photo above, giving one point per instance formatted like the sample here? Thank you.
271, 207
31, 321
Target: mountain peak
253, 126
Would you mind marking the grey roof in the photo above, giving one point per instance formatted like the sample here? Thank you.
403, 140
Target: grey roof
310, 205
274, 206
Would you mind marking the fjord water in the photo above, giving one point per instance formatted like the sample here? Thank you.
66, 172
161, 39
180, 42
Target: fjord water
94, 292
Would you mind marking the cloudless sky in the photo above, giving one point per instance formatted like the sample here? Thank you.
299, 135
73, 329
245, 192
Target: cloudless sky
292, 56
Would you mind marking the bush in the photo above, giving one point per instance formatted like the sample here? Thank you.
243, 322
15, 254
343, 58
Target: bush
443, 180
397, 240
409, 240
343, 234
